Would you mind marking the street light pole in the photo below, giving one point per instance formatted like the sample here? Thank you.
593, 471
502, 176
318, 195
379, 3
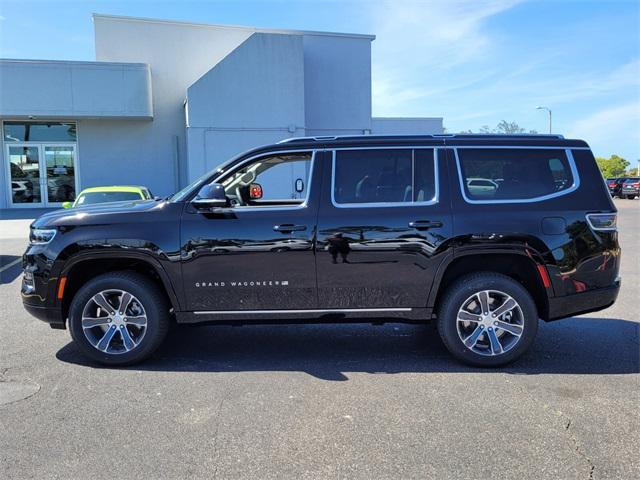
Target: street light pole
549, 111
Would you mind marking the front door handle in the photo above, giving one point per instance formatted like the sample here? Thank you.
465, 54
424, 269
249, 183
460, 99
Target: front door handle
424, 224
288, 228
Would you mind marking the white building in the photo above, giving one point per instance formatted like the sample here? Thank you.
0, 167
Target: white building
166, 101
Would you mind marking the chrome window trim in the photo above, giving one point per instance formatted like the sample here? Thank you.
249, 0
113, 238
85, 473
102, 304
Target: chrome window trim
268, 208
436, 175
326, 310
572, 188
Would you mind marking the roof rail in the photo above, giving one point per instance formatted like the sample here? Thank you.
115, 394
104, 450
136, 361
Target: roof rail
435, 135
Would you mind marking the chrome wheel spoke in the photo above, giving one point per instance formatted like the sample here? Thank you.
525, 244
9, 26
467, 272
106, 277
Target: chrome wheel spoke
125, 300
90, 322
472, 339
105, 341
508, 305
509, 327
138, 321
496, 346
127, 341
101, 301
483, 297
464, 316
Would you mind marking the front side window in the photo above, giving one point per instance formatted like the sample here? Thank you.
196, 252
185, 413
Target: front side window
274, 180
514, 174
384, 176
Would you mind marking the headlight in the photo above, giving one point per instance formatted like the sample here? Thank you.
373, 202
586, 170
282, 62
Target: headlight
41, 236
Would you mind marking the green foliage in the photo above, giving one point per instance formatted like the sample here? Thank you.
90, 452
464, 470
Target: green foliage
503, 127
611, 167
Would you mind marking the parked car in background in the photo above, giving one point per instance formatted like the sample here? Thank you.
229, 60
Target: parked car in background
117, 193
615, 186
631, 188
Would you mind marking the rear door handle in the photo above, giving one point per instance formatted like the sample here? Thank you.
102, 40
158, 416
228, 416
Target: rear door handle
288, 228
424, 224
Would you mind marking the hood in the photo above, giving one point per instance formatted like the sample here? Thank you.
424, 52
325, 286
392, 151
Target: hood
98, 213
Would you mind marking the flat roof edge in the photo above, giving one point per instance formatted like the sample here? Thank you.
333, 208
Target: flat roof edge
407, 118
233, 27
72, 62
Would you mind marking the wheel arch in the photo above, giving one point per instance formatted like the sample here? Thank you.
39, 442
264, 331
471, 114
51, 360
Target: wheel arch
518, 264
83, 267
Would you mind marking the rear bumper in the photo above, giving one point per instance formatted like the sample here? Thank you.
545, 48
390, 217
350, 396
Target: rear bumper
584, 302
52, 316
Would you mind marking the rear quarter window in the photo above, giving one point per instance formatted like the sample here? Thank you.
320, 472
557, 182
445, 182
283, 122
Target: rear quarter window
513, 174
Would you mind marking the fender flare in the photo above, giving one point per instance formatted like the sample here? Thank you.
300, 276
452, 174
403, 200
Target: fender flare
82, 257
523, 251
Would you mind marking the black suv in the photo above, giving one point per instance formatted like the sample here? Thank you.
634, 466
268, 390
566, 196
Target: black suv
630, 188
615, 186
482, 234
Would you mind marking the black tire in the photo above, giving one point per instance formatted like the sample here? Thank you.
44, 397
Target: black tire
152, 300
458, 294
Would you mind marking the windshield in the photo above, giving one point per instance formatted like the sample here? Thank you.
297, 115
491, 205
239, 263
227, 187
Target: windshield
632, 180
91, 198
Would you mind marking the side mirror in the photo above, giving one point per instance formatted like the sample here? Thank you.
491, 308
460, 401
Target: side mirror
210, 196
67, 204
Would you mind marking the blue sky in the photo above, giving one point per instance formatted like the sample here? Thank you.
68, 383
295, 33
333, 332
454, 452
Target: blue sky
472, 62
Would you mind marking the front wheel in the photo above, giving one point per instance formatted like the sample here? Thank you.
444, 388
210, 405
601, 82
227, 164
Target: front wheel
487, 319
119, 318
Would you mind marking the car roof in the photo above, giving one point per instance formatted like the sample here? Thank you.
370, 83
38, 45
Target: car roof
114, 188
435, 140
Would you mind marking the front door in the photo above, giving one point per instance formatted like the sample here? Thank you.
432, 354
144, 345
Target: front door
256, 255
381, 228
41, 175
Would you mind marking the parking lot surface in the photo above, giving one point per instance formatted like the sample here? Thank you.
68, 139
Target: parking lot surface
323, 401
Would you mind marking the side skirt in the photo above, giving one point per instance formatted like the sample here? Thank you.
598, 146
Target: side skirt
348, 315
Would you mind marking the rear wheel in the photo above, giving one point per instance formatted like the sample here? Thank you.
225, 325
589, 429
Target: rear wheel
119, 318
487, 319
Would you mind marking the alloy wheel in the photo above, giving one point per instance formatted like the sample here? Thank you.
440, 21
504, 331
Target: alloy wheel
114, 321
490, 322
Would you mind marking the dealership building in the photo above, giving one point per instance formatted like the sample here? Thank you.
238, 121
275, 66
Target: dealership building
166, 101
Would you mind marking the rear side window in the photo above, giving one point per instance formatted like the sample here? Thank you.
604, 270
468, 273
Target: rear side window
513, 174
384, 176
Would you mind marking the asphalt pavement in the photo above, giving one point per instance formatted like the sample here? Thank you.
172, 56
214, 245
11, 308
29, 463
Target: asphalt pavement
323, 401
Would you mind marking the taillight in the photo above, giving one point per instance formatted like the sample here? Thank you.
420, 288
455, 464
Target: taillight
637, 185
603, 221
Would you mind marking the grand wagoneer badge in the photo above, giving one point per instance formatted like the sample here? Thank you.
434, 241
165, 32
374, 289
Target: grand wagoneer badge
262, 283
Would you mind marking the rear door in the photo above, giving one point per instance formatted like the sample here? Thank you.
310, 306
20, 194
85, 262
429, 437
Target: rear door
383, 225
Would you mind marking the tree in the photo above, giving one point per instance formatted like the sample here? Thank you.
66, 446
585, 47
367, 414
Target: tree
614, 166
504, 127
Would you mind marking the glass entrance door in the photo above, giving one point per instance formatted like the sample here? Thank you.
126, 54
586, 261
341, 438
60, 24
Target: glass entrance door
25, 175
41, 175
59, 166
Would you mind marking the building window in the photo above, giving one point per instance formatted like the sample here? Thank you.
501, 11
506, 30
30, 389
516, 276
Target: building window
514, 174
39, 132
384, 176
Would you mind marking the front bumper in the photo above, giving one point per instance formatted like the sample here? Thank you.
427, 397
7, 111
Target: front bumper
52, 316
583, 302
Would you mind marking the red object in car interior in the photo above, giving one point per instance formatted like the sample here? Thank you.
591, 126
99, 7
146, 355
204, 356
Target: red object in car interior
255, 191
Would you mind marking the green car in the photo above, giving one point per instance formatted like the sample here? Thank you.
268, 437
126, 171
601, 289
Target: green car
116, 193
